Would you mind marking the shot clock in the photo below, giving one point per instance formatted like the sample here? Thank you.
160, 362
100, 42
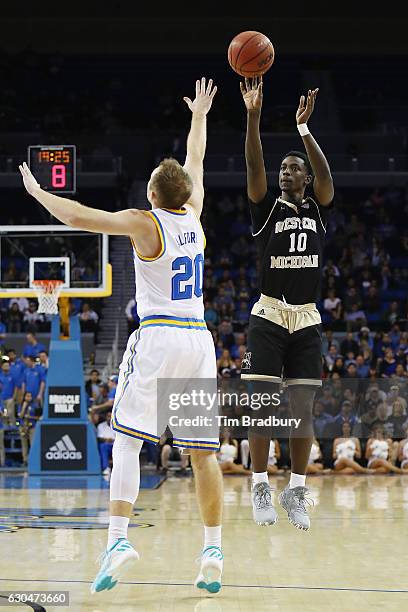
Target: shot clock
54, 167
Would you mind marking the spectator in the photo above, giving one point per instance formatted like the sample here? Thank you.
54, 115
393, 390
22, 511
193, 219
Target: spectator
88, 319
225, 362
397, 420
33, 380
43, 363
388, 365
241, 315
328, 341
22, 303
392, 396
331, 357
32, 319
106, 405
362, 368
8, 394
33, 347
375, 394
17, 368
351, 298
349, 345
321, 420
355, 317
210, 314
346, 415
368, 419
29, 414
401, 375
226, 334
106, 437
92, 385
383, 420
328, 400
14, 319
372, 302
332, 305
236, 349
365, 340
392, 314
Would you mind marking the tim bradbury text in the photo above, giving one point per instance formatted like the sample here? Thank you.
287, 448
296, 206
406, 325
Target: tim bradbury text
223, 421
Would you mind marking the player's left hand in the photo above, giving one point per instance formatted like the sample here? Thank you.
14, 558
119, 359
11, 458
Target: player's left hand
204, 97
306, 106
29, 181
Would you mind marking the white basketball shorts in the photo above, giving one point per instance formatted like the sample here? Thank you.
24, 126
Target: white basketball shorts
162, 348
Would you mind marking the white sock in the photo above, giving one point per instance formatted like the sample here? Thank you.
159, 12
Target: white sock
297, 480
118, 528
212, 536
259, 477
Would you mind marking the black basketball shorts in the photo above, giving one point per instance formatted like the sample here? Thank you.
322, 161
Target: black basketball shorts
284, 344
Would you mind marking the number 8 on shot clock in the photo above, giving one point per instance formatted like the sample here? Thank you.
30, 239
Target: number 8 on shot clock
54, 167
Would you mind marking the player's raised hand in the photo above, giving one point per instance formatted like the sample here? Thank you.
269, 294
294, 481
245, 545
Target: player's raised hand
29, 181
203, 98
252, 93
306, 106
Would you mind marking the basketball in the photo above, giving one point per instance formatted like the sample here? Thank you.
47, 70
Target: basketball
251, 54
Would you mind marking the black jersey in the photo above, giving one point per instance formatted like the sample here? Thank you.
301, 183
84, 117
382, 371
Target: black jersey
289, 241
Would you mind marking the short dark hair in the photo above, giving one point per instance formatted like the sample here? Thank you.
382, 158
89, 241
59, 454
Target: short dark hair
302, 156
172, 184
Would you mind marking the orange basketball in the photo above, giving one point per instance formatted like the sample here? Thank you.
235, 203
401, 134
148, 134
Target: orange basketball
251, 54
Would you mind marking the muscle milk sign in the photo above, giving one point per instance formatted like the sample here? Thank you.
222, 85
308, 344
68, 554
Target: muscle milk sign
64, 402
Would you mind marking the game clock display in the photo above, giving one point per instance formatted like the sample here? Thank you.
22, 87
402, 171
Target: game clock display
54, 167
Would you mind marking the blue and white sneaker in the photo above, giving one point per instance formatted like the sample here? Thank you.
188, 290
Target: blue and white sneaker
209, 577
113, 562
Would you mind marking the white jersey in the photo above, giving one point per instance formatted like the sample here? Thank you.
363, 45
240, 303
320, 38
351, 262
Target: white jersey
171, 284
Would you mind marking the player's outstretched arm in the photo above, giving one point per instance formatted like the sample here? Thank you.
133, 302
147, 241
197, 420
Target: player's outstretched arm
256, 174
126, 222
197, 139
323, 181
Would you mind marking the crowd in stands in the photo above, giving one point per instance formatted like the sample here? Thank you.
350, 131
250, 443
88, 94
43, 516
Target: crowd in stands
19, 315
22, 386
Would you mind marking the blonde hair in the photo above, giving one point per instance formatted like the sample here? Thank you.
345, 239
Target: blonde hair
171, 184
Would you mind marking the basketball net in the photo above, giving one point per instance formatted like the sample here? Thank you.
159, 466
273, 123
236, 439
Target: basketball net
48, 292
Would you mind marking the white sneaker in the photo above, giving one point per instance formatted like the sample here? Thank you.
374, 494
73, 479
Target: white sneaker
263, 510
113, 563
209, 577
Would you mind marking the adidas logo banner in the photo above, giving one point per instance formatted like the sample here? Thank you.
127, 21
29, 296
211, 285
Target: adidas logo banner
63, 447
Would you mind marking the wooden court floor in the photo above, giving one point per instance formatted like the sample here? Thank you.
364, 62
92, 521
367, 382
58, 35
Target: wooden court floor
355, 557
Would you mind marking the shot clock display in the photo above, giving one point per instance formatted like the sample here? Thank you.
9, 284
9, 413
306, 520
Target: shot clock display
54, 167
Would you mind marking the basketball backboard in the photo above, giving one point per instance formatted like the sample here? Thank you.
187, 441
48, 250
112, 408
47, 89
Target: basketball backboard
30, 253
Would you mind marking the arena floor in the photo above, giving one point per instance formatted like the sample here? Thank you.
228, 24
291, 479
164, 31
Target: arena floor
353, 557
